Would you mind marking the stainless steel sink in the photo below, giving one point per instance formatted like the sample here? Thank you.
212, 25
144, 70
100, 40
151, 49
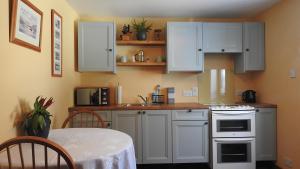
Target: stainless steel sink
133, 104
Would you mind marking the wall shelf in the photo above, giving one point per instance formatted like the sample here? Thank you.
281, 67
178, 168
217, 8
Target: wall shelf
141, 43
142, 64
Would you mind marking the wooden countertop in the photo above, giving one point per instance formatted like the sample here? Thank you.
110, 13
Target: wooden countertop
259, 105
176, 106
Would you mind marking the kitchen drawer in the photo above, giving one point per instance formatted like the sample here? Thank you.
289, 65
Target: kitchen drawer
190, 114
106, 115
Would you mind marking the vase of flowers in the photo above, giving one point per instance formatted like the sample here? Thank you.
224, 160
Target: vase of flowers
141, 29
37, 122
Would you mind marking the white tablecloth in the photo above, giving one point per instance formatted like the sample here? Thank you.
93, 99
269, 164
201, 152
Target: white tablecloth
90, 148
96, 148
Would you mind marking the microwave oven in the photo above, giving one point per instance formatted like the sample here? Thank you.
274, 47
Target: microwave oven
92, 96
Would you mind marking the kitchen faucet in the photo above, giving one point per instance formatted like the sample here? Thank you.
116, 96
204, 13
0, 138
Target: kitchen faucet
145, 99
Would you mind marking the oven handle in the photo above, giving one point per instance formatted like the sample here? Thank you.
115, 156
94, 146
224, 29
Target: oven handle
233, 140
232, 114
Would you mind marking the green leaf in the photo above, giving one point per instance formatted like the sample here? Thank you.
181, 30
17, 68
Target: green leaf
41, 122
35, 123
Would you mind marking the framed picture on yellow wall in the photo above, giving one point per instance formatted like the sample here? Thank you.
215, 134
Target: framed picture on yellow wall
56, 43
26, 25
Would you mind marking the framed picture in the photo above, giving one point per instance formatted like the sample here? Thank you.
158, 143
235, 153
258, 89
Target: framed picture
26, 24
56, 43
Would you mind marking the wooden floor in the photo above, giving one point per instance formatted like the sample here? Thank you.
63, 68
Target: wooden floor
260, 165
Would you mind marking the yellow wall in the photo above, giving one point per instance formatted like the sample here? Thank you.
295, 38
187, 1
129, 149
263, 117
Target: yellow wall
26, 74
143, 80
274, 85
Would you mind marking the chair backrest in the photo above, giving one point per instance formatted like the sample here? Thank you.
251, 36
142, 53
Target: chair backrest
85, 119
35, 143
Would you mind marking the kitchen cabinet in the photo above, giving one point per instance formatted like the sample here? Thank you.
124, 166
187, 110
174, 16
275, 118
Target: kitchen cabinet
130, 122
184, 47
222, 37
265, 134
157, 136
190, 136
253, 57
96, 47
150, 131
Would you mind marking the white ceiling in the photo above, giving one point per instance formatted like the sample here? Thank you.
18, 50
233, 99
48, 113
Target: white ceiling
171, 8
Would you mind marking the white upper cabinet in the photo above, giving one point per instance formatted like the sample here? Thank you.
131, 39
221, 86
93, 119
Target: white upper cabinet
253, 57
96, 47
223, 37
184, 47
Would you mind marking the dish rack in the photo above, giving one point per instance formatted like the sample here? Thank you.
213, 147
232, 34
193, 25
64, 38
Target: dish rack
158, 99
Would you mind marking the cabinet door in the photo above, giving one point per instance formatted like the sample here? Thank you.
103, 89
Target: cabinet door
96, 41
184, 46
253, 57
222, 37
254, 46
266, 134
190, 141
129, 122
157, 140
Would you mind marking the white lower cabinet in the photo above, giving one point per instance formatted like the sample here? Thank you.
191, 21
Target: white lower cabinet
190, 141
266, 134
150, 131
157, 136
130, 122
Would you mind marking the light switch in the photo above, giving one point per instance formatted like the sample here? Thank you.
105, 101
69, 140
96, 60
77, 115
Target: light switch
292, 73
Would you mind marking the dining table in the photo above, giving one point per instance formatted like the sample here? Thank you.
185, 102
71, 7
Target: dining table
90, 148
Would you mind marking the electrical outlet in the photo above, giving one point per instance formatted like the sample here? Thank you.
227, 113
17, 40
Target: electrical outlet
187, 93
195, 91
288, 162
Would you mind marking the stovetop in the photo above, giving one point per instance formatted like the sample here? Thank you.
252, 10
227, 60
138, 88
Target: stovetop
233, 107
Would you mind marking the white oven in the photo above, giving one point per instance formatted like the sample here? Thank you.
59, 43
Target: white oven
233, 153
233, 123
233, 137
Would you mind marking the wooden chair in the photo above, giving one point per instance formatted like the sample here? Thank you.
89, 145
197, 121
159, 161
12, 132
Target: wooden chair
91, 119
35, 142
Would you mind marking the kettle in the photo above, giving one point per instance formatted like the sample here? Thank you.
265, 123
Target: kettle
139, 56
248, 96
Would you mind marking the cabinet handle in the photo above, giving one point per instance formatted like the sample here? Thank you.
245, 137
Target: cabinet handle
199, 50
139, 112
190, 110
247, 49
206, 123
108, 125
144, 112
110, 50
223, 50
257, 110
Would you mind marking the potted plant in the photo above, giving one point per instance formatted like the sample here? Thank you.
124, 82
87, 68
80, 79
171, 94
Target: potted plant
141, 29
37, 122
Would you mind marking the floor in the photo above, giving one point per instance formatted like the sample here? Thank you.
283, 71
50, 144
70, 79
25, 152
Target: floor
260, 165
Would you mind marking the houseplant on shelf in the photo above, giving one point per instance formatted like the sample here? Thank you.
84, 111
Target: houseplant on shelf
141, 29
37, 122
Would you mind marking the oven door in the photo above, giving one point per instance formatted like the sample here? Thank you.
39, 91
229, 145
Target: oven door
234, 153
233, 124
